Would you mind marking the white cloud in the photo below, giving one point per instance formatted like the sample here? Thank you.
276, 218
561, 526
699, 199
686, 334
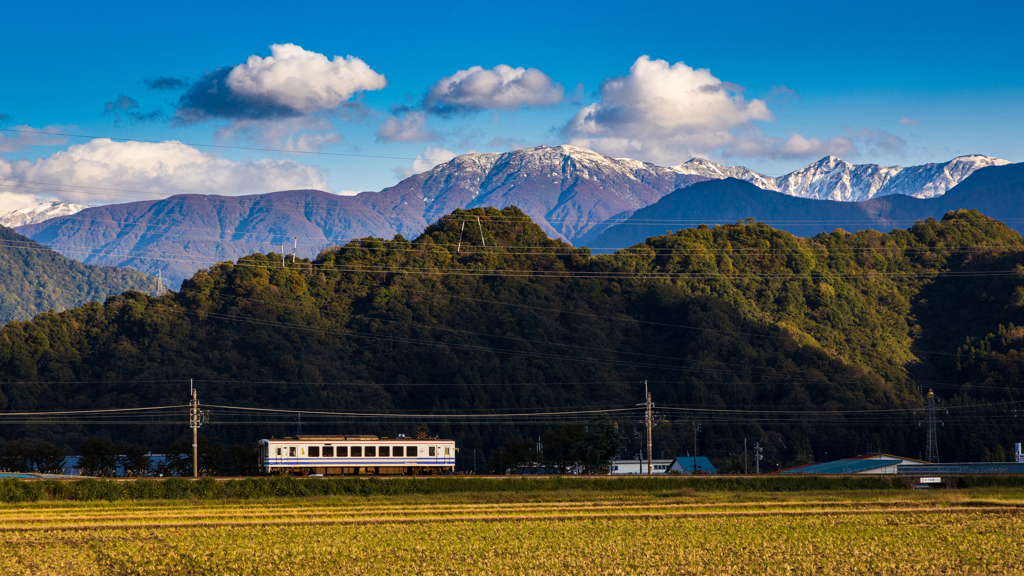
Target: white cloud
750, 142
409, 128
668, 113
142, 170
302, 80
909, 121
297, 134
29, 136
666, 100
428, 159
500, 88
11, 201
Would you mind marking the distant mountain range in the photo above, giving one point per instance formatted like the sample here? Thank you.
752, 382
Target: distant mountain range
38, 213
572, 193
996, 191
834, 179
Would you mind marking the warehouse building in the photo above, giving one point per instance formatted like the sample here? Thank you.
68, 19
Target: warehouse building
865, 464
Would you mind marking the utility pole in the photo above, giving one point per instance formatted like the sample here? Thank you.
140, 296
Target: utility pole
757, 456
282, 254
482, 241
696, 428
744, 456
932, 447
159, 282
458, 249
196, 419
295, 248
649, 421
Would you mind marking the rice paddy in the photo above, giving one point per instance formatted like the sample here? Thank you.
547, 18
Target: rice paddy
680, 531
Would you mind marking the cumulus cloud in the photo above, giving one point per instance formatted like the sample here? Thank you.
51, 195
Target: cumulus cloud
165, 83
500, 88
412, 127
143, 170
428, 159
291, 81
23, 136
662, 112
668, 113
909, 121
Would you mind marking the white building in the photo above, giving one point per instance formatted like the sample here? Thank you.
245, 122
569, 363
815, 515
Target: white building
639, 466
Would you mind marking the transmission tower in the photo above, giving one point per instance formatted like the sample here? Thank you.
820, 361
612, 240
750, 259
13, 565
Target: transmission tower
931, 453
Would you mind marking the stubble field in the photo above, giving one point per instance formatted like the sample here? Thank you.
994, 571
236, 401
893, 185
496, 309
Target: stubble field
679, 532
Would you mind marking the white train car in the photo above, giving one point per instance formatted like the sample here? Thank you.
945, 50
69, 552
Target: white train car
343, 455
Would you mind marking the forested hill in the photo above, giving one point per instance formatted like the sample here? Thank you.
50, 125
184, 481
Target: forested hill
34, 279
496, 317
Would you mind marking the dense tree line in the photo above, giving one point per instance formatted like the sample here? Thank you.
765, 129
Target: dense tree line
35, 279
805, 336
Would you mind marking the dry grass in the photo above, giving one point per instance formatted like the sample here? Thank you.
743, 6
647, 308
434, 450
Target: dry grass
942, 532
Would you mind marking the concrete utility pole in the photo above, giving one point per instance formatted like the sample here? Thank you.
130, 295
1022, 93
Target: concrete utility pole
757, 456
932, 449
649, 421
159, 282
196, 418
295, 248
696, 428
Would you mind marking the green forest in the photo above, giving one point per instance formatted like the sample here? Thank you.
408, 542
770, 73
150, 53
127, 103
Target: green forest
35, 279
491, 328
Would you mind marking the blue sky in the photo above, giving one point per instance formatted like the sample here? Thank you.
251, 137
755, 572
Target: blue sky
770, 86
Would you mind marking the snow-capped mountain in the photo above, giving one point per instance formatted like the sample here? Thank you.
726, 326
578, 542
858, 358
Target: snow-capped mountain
565, 189
38, 213
832, 178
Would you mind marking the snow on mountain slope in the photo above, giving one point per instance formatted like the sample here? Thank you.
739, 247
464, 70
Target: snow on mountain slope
565, 189
38, 213
832, 178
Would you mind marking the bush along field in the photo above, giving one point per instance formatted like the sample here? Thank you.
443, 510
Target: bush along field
14, 490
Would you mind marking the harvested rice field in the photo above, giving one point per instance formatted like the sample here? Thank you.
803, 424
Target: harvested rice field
677, 532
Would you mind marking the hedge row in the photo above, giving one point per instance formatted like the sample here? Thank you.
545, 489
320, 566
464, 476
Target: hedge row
14, 490
991, 481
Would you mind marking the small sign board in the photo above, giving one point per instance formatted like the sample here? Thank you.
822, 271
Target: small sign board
931, 480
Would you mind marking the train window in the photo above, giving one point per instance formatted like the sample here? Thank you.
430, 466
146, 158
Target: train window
411, 451
371, 451
328, 451
357, 451
396, 451
431, 451
291, 451
385, 451
446, 451
278, 451
314, 451
342, 451
266, 450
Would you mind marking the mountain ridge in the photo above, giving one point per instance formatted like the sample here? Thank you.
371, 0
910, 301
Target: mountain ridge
571, 193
